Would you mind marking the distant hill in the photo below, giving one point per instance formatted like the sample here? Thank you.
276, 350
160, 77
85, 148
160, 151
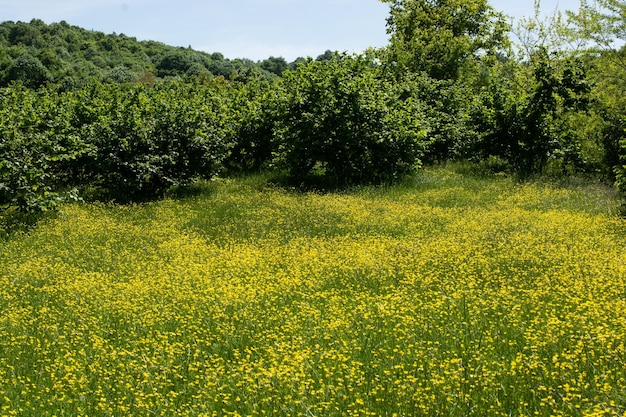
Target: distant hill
38, 54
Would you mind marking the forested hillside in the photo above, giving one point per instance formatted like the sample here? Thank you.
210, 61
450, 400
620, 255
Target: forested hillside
39, 54
85, 114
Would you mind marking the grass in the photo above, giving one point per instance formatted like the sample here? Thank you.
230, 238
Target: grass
450, 294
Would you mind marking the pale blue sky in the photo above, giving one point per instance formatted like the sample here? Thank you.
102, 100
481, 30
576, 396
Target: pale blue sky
254, 29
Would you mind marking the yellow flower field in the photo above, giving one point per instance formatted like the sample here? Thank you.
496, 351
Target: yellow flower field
448, 296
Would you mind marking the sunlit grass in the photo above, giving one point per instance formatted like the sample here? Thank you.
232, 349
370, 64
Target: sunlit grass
447, 295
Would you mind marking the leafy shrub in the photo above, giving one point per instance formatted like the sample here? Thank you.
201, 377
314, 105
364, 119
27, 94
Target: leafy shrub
620, 174
147, 139
444, 104
527, 127
28, 70
126, 142
36, 146
253, 114
341, 121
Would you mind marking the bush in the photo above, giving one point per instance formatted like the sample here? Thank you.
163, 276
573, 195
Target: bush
339, 120
529, 126
147, 139
620, 174
125, 142
445, 108
36, 146
252, 117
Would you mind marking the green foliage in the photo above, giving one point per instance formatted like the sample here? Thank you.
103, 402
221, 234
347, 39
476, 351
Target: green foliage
540, 31
180, 61
119, 75
58, 54
127, 120
253, 114
526, 126
444, 105
147, 139
29, 71
36, 144
439, 48
340, 121
612, 131
439, 37
126, 142
617, 136
601, 23
275, 65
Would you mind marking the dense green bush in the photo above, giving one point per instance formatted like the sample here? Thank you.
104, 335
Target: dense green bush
253, 115
614, 144
527, 126
341, 121
146, 139
36, 145
445, 107
125, 142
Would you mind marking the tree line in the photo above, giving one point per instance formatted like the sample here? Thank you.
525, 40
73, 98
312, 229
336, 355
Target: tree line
68, 57
451, 84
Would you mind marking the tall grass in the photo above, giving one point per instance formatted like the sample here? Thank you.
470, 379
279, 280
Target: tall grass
449, 295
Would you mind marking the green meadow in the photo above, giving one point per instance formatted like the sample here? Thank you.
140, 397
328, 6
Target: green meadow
450, 294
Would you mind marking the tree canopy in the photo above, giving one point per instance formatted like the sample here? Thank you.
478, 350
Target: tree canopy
438, 37
37, 54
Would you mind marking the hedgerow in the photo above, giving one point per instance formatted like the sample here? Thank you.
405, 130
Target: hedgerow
127, 142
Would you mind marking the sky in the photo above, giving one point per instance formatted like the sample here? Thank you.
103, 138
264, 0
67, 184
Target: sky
253, 29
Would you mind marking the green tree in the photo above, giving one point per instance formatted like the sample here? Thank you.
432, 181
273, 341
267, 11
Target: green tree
526, 126
174, 63
342, 124
439, 37
326, 56
603, 24
119, 75
74, 57
275, 65
28, 70
27, 34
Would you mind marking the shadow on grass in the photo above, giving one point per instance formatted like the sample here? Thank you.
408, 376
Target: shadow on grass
13, 221
322, 184
195, 189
